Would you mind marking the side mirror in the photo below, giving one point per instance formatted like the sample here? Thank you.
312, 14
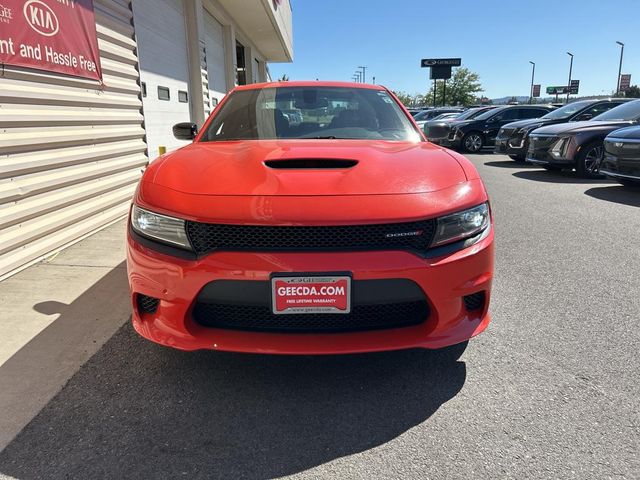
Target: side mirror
585, 116
185, 131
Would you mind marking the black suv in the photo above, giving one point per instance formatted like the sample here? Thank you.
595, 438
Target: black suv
579, 145
622, 156
472, 135
438, 130
513, 138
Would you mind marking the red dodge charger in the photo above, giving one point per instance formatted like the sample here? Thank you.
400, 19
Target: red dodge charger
309, 218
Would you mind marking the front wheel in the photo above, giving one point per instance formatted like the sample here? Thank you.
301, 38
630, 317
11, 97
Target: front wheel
472, 142
588, 160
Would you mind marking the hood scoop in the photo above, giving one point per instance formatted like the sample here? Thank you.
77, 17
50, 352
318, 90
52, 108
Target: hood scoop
310, 163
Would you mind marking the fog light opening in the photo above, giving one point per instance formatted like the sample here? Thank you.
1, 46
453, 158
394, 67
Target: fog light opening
147, 304
475, 301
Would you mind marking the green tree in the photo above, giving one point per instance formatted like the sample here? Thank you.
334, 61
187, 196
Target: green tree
633, 92
409, 100
462, 88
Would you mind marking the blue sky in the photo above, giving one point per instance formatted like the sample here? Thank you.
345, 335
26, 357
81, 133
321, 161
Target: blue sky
494, 38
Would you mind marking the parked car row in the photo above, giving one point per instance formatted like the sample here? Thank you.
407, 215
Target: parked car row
595, 137
480, 129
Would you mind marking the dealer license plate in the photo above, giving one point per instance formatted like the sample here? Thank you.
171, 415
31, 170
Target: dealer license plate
311, 294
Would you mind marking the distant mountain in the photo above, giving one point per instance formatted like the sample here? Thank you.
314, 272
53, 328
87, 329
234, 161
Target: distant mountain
505, 100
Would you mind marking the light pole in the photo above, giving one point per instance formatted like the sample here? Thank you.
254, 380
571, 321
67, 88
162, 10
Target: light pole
364, 74
620, 68
570, 69
533, 75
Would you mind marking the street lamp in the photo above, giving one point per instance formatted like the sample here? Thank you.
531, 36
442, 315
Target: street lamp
620, 68
570, 69
364, 74
533, 75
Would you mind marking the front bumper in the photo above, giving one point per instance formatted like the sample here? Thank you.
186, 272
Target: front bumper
617, 167
177, 283
451, 141
505, 146
539, 152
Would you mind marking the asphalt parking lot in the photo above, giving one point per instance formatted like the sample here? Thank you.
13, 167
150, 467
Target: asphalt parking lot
549, 391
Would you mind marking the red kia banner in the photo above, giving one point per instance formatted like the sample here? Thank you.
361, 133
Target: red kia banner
53, 35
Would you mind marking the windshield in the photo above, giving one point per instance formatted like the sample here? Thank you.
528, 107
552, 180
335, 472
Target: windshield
489, 113
447, 115
310, 112
626, 111
472, 113
568, 110
421, 115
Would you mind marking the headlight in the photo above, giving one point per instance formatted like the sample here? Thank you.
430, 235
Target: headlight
559, 148
461, 225
159, 227
528, 129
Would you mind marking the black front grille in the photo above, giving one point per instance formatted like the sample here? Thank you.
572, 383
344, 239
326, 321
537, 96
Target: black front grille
437, 131
261, 318
206, 237
505, 133
541, 142
147, 304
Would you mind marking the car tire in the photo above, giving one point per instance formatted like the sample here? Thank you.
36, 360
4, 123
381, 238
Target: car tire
472, 142
517, 158
588, 160
452, 353
552, 168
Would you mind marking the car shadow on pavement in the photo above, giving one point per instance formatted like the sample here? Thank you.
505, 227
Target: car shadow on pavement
138, 410
616, 194
509, 164
557, 177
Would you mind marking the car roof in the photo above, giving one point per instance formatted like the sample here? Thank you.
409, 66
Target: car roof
309, 83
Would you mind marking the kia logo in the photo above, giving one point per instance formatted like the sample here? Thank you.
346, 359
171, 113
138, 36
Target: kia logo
41, 18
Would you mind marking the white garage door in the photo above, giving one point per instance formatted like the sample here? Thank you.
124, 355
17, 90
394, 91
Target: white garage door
216, 67
162, 49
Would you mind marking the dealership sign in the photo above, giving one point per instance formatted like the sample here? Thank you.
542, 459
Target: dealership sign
53, 35
625, 82
440, 62
536, 91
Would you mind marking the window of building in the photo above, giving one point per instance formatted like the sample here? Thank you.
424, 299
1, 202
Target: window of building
163, 93
144, 89
241, 66
183, 97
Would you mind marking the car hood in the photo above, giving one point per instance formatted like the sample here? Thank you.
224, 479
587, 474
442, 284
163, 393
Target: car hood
440, 123
532, 122
581, 127
462, 123
252, 168
630, 133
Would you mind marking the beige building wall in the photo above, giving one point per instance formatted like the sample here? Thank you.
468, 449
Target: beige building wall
71, 151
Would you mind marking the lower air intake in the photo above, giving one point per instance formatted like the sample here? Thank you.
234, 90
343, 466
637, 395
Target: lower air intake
474, 301
261, 318
147, 304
